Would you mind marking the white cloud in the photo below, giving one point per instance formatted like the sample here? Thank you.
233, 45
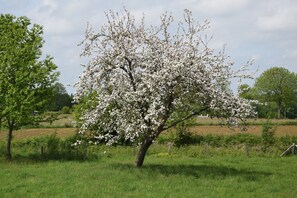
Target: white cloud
259, 29
282, 19
292, 54
216, 7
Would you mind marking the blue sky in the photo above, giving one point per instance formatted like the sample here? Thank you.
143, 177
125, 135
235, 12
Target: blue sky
265, 31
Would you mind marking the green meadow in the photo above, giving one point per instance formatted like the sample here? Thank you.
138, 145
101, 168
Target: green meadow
44, 164
192, 171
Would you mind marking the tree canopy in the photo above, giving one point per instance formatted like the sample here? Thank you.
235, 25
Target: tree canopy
61, 98
279, 86
25, 80
142, 76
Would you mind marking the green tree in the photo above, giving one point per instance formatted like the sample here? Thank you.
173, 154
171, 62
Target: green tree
277, 85
25, 81
61, 98
245, 91
267, 110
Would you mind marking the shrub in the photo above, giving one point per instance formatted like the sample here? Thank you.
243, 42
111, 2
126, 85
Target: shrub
267, 135
52, 144
245, 138
65, 110
213, 140
51, 117
286, 140
183, 136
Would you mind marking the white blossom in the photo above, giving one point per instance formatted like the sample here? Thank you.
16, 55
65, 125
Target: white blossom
142, 75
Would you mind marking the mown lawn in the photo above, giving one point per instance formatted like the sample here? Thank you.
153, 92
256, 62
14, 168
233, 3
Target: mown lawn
113, 174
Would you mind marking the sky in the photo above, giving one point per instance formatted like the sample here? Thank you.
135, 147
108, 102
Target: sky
265, 31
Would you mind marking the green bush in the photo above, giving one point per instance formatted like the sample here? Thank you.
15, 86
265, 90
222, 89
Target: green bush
286, 140
213, 140
187, 138
267, 135
65, 110
52, 144
183, 137
242, 138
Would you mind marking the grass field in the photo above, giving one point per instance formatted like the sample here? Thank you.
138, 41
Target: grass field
191, 171
62, 121
179, 175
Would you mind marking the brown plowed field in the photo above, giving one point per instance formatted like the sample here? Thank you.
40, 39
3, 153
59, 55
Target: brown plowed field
224, 130
31, 133
199, 130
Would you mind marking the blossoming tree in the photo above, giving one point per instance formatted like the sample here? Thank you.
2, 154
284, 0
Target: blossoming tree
138, 77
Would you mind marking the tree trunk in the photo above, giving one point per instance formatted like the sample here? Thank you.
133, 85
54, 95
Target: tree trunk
142, 151
9, 138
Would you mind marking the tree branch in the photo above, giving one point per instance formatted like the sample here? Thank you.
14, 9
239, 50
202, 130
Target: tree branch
128, 72
186, 118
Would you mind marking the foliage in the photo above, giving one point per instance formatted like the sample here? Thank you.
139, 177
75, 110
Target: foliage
284, 141
143, 75
276, 91
267, 110
277, 86
268, 131
216, 140
180, 134
52, 147
52, 144
291, 111
183, 136
65, 110
86, 103
25, 80
247, 92
61, 98
51, 117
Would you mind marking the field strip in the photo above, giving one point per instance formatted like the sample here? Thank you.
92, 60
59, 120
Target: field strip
31, 133
290, 130
224, 130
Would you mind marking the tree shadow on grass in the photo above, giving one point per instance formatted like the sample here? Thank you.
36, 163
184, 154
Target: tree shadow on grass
199, 171
36, 158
